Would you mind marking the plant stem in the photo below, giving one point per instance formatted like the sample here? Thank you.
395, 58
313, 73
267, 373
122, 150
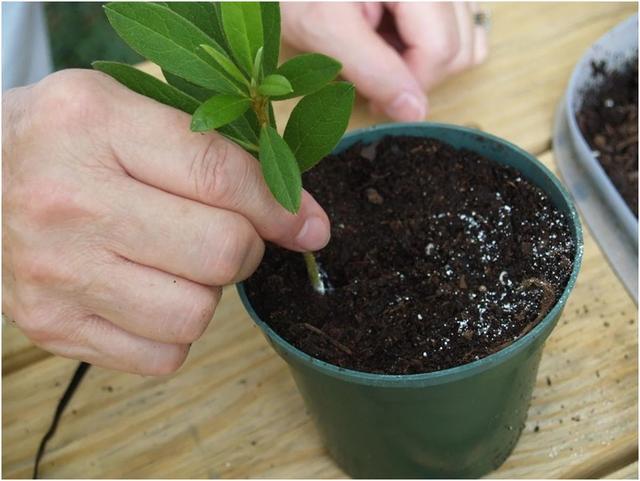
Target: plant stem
314, 272
261, 108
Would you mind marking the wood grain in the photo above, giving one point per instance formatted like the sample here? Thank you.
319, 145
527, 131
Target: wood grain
534, 47
233, 411
630, 471
17, 350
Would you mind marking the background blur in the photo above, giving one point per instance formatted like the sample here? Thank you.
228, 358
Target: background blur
79, 34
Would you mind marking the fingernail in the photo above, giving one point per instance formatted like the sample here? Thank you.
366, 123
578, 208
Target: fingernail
407, 107
313, 235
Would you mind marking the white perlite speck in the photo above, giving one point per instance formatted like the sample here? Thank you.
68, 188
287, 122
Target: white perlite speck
503, 278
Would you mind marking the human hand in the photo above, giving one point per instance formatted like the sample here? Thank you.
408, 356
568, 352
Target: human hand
440, 39
120, 225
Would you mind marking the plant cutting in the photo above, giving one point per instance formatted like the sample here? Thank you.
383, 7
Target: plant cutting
453, 251
220, 62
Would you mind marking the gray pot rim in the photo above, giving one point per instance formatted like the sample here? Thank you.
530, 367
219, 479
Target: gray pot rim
465, 370
585, 153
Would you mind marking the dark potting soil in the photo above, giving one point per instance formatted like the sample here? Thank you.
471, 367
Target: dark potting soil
438, 257
608, 119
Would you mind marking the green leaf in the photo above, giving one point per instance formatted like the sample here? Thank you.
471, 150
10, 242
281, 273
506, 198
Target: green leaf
256, 72
252, 123
147, 85
318, 122
245, 128
244, 143
225, 63
275, 84
219, 110
280, 169
203, 15
222, 40
161, 35
242, 23
308, 73
271, 31
198, 93
272, 117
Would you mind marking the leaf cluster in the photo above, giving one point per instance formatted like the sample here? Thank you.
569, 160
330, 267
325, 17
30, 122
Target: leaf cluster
220, 61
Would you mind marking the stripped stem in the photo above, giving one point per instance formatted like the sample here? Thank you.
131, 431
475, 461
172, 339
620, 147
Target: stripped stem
314, 272
260, 106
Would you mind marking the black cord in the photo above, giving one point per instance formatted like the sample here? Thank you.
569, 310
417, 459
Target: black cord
64, 400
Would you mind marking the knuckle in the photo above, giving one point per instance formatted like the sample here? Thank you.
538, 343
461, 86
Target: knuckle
253, 259
70, 98
41, 311
200, 312
230, 251
209, 169
445, 49
45, 201
38, 270
258, 251
224, 272
36, 323
15, 124
171, 359
48, 270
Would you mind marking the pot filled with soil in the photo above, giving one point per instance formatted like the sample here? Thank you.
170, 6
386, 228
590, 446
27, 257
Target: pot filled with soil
602, 102
453, 253
608, 119
595, 145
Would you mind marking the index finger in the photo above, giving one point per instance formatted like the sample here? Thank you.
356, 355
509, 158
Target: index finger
430, 31
154, 144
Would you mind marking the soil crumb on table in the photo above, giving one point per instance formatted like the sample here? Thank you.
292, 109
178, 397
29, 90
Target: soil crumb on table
438, 257
608, 119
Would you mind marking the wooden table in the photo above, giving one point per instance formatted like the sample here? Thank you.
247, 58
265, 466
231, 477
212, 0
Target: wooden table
233, 410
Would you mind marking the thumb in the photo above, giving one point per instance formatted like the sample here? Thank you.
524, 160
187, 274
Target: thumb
376, 69
154, 145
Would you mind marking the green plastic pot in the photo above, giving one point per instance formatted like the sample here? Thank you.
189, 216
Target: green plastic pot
459, 422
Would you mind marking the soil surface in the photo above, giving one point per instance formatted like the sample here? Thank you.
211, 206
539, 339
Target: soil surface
608, 119
438, 257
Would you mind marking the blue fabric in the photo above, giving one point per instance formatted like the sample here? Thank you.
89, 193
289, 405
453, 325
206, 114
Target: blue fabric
26, 55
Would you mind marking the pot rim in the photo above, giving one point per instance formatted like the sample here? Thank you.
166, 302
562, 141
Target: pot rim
464, 370
572, 101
